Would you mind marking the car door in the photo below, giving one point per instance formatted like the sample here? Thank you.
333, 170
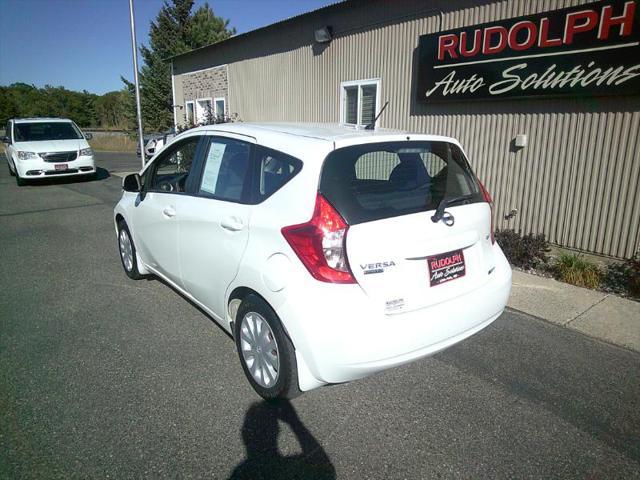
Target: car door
214, 222
8, 147
156, 213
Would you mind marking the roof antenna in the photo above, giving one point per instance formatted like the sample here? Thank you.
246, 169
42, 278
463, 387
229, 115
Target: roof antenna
372, 125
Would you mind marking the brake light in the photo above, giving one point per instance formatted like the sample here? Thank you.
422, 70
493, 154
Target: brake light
489, 200
320, 244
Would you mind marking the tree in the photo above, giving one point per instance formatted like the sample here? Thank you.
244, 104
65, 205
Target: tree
111, 110
175, 30
84, 108
8, 106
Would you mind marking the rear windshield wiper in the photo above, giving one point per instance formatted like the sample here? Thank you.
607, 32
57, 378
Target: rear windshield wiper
445, 202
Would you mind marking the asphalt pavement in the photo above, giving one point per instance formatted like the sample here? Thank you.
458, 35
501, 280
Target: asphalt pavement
105, 377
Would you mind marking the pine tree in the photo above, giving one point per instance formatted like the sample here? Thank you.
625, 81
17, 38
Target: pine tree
174, 31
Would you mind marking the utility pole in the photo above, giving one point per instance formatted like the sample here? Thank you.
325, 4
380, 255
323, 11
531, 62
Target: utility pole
134, 48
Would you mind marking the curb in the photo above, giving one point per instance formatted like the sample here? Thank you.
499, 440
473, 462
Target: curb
607, 317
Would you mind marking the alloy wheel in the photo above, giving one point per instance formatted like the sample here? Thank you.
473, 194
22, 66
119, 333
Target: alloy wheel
259, 349
126, 250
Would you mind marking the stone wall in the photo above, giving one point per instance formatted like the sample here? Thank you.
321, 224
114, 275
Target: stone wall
210, 83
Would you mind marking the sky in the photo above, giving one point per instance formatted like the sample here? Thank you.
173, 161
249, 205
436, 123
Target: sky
86, 44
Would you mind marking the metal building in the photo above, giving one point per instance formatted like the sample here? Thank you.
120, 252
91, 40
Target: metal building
543, 94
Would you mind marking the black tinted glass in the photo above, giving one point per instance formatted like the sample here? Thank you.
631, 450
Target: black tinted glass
375, 181
172, 167
41, 131
275, 169
225, 170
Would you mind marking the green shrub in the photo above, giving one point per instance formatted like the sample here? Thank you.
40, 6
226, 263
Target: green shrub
624, 277
574, 269
526, 252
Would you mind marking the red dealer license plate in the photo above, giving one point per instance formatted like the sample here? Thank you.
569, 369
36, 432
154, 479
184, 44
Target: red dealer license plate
446, 267
61, 166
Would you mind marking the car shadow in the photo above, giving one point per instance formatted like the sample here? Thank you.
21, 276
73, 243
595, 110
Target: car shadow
260, 432
152, 278
100, 175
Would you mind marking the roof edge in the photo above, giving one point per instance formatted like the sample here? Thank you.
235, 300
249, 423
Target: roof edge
324, 9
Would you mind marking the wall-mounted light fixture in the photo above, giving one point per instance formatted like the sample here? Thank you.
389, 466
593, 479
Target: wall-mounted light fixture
521, 140
323, 35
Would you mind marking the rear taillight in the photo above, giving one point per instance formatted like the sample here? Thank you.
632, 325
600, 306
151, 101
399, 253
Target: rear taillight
487, 198
320, 244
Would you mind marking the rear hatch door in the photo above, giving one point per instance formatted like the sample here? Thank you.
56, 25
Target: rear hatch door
388, 193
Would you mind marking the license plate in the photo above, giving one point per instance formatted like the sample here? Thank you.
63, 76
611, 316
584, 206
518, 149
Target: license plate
61, 166
446, 267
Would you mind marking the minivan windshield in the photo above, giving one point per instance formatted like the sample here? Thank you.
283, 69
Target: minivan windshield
42, 131
381, 180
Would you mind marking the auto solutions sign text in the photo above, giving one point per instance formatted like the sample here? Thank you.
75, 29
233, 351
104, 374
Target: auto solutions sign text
591, 49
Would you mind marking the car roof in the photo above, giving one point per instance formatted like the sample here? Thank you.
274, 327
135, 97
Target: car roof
338, 134
40, 119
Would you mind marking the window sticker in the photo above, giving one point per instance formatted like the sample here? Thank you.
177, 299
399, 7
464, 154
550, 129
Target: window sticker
212, 168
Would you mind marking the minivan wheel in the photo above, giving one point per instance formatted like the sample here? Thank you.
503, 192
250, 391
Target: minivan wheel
127, 252
266, 353
10, 171
19, 181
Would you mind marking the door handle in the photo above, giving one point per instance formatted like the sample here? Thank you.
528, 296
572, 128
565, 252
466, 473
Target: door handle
169, 212
233, 224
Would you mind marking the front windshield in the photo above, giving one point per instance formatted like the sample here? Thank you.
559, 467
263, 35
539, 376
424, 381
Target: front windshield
41, 131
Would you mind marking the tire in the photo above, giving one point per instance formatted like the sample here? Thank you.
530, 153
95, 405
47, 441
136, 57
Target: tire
19, 181
127, 253
10, 171
252, 317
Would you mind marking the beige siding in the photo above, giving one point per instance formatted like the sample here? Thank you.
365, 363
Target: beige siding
576, 181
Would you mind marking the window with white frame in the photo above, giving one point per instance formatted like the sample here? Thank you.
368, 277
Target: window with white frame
359, 101
190, 113
219, 106
203, 110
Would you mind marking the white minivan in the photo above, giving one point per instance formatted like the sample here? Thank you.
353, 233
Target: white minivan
47, 147
329, 253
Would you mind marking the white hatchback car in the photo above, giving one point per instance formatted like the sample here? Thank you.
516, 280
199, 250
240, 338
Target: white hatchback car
328, 253
46, 147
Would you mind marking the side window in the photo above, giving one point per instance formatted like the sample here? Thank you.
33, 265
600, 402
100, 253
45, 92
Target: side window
171, 169
7, 131
190, 113
226, 168
274, 170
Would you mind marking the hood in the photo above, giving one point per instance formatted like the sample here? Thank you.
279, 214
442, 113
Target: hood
46, 146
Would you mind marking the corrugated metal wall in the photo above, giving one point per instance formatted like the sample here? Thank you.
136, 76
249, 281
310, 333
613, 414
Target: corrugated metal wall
576, 181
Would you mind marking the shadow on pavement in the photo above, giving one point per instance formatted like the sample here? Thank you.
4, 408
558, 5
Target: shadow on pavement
153, 278
260, 435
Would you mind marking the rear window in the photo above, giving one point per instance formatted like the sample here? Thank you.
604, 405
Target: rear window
382, 180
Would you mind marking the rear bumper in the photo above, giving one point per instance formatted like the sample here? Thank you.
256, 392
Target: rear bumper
345, 338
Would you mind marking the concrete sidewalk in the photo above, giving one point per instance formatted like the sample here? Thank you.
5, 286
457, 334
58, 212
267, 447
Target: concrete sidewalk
607, 317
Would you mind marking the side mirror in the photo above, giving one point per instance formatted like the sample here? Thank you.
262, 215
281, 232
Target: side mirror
88, 136
6, 140
132, 183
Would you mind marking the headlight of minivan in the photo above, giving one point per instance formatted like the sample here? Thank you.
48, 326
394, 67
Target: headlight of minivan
27, 155
86, 152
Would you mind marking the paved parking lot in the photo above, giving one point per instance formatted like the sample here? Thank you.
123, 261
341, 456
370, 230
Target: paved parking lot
104, 377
